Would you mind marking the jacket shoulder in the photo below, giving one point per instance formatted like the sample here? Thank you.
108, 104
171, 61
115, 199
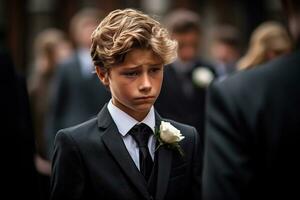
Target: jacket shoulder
81, 130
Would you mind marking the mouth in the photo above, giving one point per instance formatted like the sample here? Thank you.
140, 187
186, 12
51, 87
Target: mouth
145, 98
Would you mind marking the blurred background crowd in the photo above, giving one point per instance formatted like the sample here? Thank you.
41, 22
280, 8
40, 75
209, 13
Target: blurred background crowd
47, 42
21, 21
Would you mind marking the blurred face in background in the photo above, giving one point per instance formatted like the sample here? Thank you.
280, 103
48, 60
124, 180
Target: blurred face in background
224, 53
83, 31
188, 45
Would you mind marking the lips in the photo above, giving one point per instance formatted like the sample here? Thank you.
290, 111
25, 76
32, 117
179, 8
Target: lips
145, 98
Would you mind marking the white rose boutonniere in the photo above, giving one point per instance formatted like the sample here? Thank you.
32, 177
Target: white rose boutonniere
169, 136
202, 77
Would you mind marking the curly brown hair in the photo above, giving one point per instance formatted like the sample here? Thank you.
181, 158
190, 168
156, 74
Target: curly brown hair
123, 30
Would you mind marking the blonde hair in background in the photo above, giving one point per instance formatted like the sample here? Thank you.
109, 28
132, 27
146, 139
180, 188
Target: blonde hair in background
268, 37
48, 46
123, 30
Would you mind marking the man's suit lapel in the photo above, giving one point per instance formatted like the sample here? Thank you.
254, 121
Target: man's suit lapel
116, 146
164, 166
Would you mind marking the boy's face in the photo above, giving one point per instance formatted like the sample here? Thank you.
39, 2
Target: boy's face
135, 84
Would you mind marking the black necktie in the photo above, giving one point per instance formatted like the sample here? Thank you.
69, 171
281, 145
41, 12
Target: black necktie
141, 134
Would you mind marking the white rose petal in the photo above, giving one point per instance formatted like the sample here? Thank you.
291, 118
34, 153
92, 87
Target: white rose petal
202, 76
169, 134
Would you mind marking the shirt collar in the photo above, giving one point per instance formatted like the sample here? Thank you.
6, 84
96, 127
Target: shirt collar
125, 122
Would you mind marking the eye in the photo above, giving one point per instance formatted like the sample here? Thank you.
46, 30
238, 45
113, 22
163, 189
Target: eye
130, 73
155, 69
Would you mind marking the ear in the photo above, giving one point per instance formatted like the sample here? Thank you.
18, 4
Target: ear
102, 75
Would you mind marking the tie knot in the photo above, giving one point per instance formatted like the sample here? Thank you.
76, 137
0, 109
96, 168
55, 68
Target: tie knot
141, 133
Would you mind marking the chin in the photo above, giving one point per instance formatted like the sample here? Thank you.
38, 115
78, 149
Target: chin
144, 107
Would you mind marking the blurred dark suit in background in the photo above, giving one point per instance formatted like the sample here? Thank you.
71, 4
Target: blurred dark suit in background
19, 177
252, 135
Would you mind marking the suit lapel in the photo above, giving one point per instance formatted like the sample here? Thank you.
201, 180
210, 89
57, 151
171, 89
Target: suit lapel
117, 148
164, 166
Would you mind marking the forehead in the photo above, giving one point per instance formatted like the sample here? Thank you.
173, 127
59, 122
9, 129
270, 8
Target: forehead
141, 57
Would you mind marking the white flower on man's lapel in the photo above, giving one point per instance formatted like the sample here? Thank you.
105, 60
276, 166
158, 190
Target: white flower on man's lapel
202, 76
169, 136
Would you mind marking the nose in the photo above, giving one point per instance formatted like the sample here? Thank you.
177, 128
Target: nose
145, 83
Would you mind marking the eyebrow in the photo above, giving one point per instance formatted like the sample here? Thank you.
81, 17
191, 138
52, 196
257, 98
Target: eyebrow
133, 67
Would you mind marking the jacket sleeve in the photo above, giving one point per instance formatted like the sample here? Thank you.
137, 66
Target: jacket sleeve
67, 180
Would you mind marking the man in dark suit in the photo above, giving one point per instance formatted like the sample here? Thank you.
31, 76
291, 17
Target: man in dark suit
19, 178
252, 135
182, 97
77, 93
128, 152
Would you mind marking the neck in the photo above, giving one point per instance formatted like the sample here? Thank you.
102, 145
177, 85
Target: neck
139, 116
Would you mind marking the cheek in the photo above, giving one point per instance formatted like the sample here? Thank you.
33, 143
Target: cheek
120, 91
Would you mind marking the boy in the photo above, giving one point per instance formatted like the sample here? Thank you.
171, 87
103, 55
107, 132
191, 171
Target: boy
117, 155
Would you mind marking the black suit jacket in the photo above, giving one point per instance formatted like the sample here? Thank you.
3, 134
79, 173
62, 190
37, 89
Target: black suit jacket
19, 178
75, 98
253, 134
91, 162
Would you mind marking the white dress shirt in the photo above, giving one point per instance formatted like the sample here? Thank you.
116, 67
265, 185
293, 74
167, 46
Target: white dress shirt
124, 123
